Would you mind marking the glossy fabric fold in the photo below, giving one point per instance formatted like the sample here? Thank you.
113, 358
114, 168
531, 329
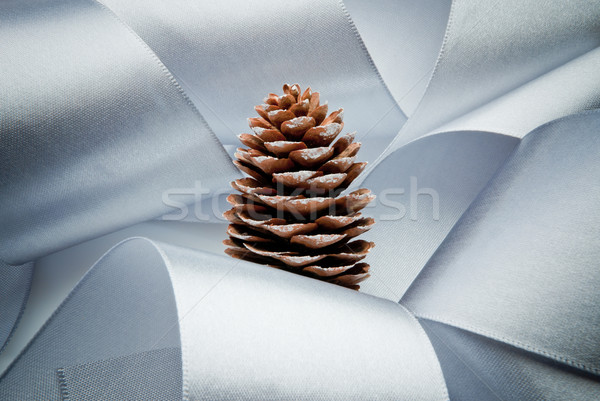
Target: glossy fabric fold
404, 39
124, 306
479, 368
521, 265
93, 129
247, 328
55, 275
243, 328
228, 61
107, 106
14, 290
423, 188
568, 89
493, 47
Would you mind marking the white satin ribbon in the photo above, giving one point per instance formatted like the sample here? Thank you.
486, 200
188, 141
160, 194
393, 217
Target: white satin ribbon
404, 39
570, 88
244, 329
423, 188
540, 64
479, 368
94, 129
492, 47
89, 124
520, 266
227, 61
14, 291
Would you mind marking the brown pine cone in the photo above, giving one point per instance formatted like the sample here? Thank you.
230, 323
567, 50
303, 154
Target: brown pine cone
290, 213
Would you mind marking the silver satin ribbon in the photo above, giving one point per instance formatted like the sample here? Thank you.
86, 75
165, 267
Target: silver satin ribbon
540, 63
404, 39
88, 123
493, 47
479, 368
14, 291
93, 129
228, 61
244, 328
520, 266
423, 188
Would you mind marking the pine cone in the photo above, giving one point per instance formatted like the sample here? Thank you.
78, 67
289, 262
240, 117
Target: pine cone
290, 214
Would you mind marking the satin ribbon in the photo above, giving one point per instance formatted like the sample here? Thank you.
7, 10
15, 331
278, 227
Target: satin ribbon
404, 39
423, 188
94, 129
493, 47
520, 266
479, 368
228, 61
14, 290
242, 329
540, 64
532, 52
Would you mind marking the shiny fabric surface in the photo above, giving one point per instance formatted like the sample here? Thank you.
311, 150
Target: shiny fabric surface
492, 48
93, 129
404, 39
486, 230
55, 275
246, 328
123, 306
570, 88
14, 291
483, 38
521, 265
228, 61
243, 328
423, 188
479, 368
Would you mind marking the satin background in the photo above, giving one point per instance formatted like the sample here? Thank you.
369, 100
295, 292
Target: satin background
105, 106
